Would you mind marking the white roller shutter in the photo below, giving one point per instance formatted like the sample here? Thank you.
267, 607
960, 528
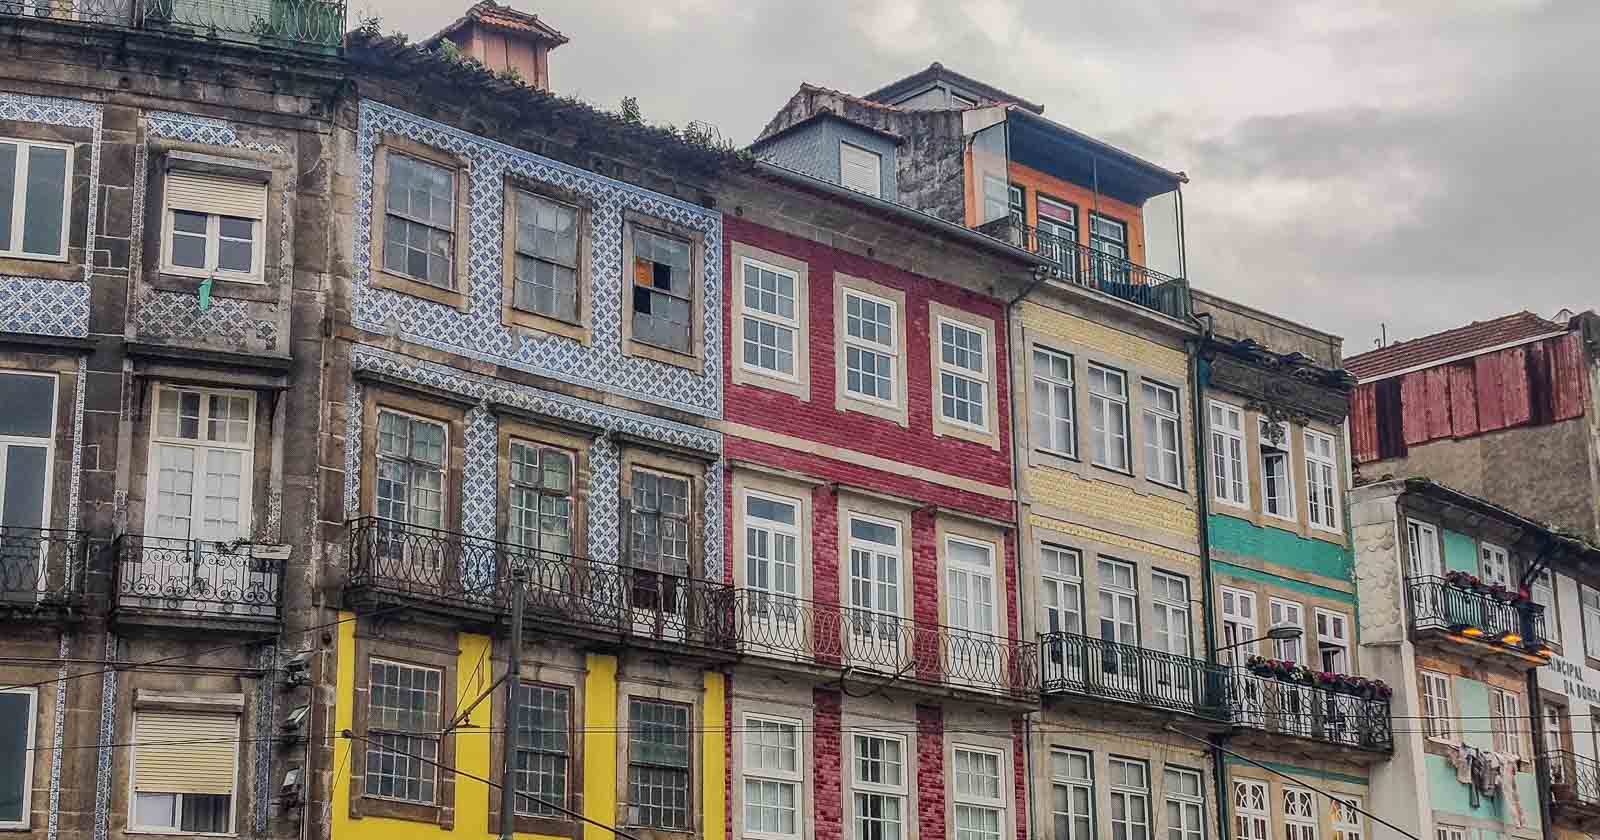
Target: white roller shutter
184, 752
217, 195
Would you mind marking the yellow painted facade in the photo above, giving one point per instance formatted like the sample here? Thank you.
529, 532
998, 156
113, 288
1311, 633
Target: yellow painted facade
1085, 532
472, 751
1045, 321
1104, 500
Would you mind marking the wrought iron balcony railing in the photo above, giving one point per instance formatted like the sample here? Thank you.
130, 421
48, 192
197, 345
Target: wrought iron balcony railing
831, 635
1438, 604
1305, 711
198, 578
41, 567
1084, 265
1574, 781
1076, 664
300, 25
450, 569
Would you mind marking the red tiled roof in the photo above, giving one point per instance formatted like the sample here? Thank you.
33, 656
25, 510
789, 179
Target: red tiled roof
1476, 336
490, 13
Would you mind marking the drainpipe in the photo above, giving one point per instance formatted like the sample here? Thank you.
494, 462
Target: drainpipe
1202, 512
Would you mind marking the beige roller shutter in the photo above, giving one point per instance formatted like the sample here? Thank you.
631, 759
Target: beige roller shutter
184, 752
214, 194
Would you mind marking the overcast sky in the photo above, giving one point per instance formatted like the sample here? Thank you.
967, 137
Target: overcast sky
1420, 164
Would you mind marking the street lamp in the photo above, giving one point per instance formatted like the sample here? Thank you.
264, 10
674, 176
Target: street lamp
1280, 633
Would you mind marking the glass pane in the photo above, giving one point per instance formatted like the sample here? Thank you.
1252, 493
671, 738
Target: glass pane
29, 404
8, 186
234, 256
46, 198
156, 810
16, 712
25, 485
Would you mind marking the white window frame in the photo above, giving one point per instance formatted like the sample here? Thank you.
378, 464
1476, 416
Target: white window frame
1505, 721
1589, 613
792, 324
973, 572
1543, 592
980, 378
795, 778
48, 442
1072, 783
1250, 823
28, 756
1064, 585
135, 827
1280, 451
997, 804
1278, 612
1235, 476
1177, 612
19, 200
1347, 823
1449, 832
1047, 414
1129, 794
1109, 402
902, 791
892, 350
1322, 479
200, 446
1108, 589
774, 529
1494, 565
1244, 627
1324, 617
1437, 713
258, 246
1299, 812
846, 148
1154, 414
1185, 801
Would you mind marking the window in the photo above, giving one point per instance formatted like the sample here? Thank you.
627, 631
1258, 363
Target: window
184, 769
970, 577
1250, 809
1108, 417
662, 293
773, 773
17, 714
658, 764
1119, 604
1347, 819
660, 521
419, 221
1130, 799
1543, 591
1229, 484
1052, 399
1186, 804
1449, 832
770, 319
959, 101
1162, 461
1589, 605
1109, 239
545, 270
1170, 603
979, 805
861, 170
1281, 612
544, 749
1505, 722
1495, 565
541, 497
1299, 814
214, 226
1555, 727
879, 785
27, 448
1322, 503
1277, 482
875, 583
34, 198
772, 550
1435, 704
1238, 623
1062, 569
1000, 199
963, 375
1423, 541
1072, 794
1058, 235
1017, 204
403, 722
1333, 641
200, 464
871, 347
411, 466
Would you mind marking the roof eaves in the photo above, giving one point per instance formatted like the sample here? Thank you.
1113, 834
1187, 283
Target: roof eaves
1122, 154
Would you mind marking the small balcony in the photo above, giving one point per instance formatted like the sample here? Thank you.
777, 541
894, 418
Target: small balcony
233, 584
470, 578
1082, 265
41, 571
1082, 666
1274, 707
305, 26
1574, 789
880, 648
1490, 622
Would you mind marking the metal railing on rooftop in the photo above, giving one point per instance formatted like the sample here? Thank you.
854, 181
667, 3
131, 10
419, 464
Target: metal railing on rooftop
1077, 664
1083, 265
301, 25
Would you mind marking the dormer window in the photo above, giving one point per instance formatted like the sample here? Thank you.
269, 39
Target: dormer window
861, 169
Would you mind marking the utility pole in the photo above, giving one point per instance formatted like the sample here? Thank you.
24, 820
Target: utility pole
508, 751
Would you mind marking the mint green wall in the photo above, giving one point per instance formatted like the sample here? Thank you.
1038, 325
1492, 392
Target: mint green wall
1460, 552
1453, 797
1278, 546
1472, 703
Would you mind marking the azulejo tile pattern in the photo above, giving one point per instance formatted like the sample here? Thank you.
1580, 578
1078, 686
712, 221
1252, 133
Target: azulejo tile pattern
108, 735
478, 332
480, 474
38, 306
53, 821
77, 444
266, 721
52, 110
177, 315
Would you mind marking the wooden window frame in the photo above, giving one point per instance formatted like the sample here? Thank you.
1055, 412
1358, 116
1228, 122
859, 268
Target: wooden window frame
574, 444
557, 826
452, 416
580, 329
461, 241
694, 359
369, 645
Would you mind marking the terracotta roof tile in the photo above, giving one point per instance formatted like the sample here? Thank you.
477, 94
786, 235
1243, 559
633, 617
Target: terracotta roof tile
1476, 336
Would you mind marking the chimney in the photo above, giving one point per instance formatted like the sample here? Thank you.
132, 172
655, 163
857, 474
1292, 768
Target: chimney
503, 38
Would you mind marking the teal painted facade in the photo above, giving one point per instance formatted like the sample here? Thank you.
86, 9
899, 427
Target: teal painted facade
1245, 573
1460, 552
1472, 698
1280, 547
1449, 796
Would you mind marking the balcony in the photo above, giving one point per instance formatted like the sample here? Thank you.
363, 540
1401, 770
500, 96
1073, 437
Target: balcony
1275, 707
878, 648
1075, 665
1082, 265
470, 578
237, 584
306, 26
1574, 789
41, 571
1443, 608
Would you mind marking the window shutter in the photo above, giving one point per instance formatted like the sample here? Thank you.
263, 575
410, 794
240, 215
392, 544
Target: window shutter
184, 752
211, 194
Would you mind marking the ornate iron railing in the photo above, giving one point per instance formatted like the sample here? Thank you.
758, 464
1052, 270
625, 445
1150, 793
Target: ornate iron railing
1438, 604
451, 569
831, 635
199, 578
41, 567
1075, 664
1084, 265
1271, 705
301, 25
1574, 779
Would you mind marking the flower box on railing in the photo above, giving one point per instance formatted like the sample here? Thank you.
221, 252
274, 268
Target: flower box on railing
1290, 672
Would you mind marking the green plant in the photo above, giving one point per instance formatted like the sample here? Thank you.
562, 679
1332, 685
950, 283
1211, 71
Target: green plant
370, 24
630, 110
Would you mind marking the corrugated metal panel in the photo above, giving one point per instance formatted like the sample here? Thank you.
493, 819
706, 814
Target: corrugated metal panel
1491, 400
1414, 404
1363, 423
1571, 382
1436, 382
1514, 385
184, 752
1463, 400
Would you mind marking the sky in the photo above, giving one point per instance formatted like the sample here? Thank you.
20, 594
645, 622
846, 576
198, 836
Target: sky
1361, 167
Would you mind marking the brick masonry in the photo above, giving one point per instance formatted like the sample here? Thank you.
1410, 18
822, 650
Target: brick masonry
930, 773
827, 782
